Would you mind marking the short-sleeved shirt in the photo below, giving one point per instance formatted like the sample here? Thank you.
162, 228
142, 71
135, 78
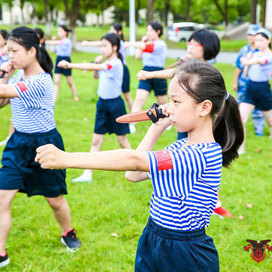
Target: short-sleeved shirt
33, 110
110, 79
64, 49
3, 58
242, 81
122, 50
261, 72
185, 182
155, 54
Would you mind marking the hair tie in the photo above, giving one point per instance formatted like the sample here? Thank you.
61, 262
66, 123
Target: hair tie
227, 96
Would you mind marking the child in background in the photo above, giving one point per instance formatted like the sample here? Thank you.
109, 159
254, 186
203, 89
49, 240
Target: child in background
240, 80
110, 104
153, 51
63, 49
185, 176
258, 92
31, 96
117, 29
3, 58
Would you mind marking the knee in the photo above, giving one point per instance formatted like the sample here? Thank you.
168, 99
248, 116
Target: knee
97, 142
55, 202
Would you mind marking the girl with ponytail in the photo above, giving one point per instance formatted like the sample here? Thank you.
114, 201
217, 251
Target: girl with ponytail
185, 176
110, 105
31, 95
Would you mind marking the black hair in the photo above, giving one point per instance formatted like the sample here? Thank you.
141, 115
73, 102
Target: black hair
209, 40
66, 29
4, 33
40, 35
157, 26
113, 39
118, 27
204, 82
265, 36
27, 38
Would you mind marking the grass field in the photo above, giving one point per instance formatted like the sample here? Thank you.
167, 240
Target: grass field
95, 33
111, 205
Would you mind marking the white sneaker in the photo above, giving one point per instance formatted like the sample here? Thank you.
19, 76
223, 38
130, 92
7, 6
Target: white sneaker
85, 177
132, 128
5, 141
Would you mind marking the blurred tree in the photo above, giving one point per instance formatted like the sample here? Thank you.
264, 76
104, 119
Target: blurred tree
150, 10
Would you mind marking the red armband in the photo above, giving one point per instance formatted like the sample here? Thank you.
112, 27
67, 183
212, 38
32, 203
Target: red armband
149, 47
266, 61
109, 66
22, 86
164, 160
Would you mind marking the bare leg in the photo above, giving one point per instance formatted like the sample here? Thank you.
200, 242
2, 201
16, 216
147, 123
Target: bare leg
61, 211
6, 197
140, 99
123, 141
129, 100
72, 85
162, 99
245, 110
57, 78
268, 118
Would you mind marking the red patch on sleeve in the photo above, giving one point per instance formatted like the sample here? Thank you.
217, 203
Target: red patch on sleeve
22, 86
109, 66
265, 61
164, 160
149, 47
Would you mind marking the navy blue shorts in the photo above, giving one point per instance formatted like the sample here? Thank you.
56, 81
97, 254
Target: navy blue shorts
126, 80
259, 94
159, 85
161, 249
20, 171
66, 72
107, 110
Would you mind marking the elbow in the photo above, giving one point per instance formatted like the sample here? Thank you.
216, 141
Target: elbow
130, 176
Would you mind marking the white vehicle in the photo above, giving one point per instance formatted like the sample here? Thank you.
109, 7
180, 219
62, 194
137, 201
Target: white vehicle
181, 31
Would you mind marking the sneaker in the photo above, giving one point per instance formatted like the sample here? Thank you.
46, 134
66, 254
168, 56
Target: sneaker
70, 240
85, 177
221, 212
132, 128
4, 259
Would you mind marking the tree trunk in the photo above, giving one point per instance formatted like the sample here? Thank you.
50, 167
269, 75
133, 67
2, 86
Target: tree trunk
166, 12
264, 12
150, 10
226, 14
47, 25
188, 10
253, 7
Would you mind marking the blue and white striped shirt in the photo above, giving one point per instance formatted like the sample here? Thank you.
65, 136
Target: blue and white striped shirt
185, 181
33, 110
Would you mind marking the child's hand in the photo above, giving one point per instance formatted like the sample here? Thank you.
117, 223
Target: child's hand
84, 43
99, 59
50, 157
244, 61
249, 55
164, 122
64, 64
144, 39
143, 75
7, 69
54, 38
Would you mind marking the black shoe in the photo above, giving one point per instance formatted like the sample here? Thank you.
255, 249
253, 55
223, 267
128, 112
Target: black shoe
70, 240
4, 260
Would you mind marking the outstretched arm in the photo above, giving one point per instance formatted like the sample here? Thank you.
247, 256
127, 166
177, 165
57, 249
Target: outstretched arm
82, 66
91, 43
167, 74
50, 157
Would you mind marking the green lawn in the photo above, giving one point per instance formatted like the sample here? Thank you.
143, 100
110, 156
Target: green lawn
111, 205
95, 33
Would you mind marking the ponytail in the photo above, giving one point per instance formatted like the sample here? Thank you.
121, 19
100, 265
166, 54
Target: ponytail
44, 60
119, 55
28, 38
204, 82
228, 130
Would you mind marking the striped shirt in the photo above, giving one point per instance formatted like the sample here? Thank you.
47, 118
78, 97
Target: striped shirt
33, 110
185, 181
64, 49
110, 79
155, 54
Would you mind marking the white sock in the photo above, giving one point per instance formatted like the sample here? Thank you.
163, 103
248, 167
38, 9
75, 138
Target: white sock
218, 204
